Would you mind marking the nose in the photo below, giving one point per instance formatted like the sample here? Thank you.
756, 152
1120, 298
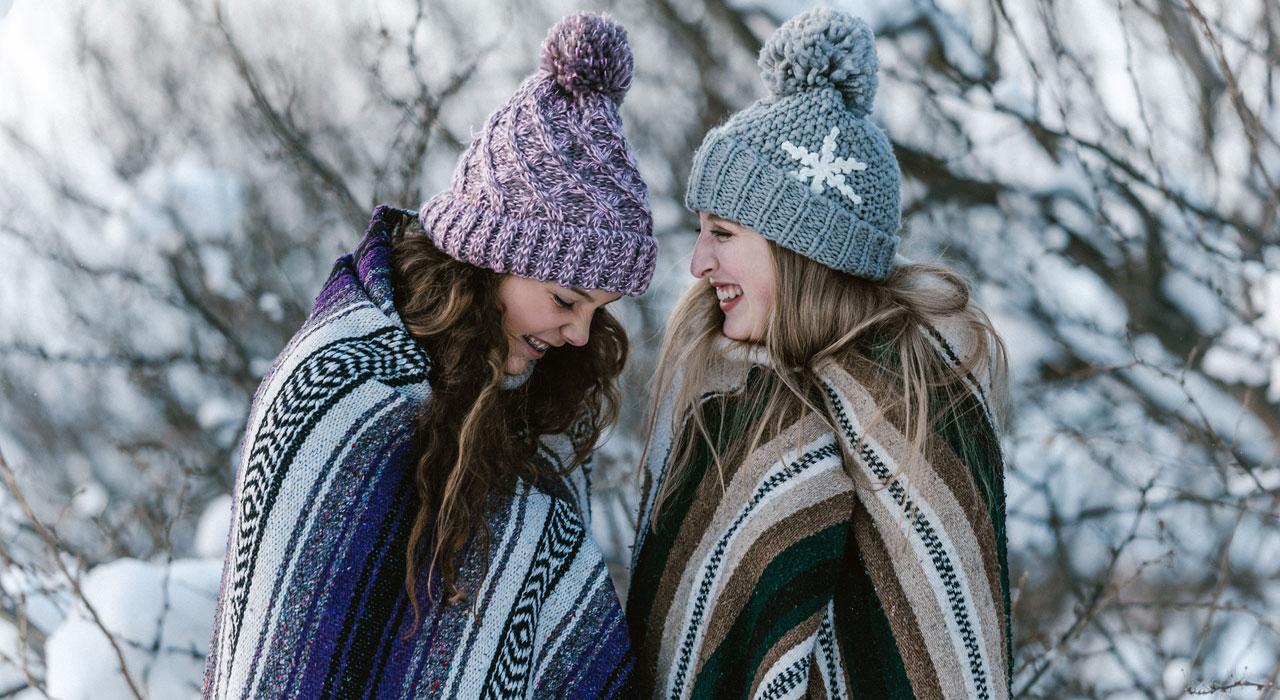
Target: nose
704, 259
577, 332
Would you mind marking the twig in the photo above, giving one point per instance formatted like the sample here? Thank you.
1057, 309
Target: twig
53, 544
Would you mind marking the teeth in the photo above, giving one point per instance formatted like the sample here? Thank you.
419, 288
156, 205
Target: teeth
535, 344
727, 293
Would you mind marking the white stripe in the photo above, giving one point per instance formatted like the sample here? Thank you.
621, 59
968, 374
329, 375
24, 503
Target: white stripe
290, 503
560, 606
827, 655
698, 607
482, 633
800, 655
925, 510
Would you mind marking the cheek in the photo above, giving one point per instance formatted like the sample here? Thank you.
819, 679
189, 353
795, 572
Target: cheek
528, 318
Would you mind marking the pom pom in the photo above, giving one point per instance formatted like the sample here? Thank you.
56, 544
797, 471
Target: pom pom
823, 48
586, 53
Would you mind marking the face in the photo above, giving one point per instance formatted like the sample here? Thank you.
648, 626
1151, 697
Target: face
542, 315
738, 263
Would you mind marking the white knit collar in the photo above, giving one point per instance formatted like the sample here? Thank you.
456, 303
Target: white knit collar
743, 352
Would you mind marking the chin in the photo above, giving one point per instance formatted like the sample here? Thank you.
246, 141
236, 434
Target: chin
516, 366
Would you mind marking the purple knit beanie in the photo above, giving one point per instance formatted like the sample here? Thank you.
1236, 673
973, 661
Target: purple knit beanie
549, 189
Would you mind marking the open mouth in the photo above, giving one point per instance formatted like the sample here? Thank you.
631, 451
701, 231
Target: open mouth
537, 345
728, 292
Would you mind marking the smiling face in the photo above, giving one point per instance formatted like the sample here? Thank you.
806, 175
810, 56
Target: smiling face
738, 263
539, 316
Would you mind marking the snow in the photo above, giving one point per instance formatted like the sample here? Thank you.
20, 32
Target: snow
271, 305
161, 617
1074, 444
957, 43
1234, 357
214, 529
1195, 299
876, 13
91, 499
173, 205
1078, 294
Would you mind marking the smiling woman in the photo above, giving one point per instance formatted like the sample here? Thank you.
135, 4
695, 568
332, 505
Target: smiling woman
823, 511
737, 263
541, 315
411, 511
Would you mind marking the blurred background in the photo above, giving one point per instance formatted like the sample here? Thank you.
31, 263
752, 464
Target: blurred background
177, 178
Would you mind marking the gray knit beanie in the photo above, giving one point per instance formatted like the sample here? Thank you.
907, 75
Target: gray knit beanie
805, 166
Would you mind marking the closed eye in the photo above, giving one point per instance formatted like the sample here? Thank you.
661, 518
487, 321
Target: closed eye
562, 302
721, 234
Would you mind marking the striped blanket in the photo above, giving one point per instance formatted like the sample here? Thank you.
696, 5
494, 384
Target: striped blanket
793, 574
313, 601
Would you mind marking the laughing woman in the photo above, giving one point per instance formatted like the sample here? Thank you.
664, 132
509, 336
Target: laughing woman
411, 512
823, 487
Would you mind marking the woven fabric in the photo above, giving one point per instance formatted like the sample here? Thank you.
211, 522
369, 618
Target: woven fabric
793, 574
313, 600
549, 189
805, 166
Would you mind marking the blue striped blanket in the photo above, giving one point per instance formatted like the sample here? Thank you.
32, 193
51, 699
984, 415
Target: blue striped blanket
313, 601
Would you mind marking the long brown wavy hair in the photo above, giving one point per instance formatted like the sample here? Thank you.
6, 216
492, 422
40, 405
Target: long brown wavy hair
475, 438
821, 315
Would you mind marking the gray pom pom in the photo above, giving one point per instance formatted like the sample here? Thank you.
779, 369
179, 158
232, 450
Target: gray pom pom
823, 48
586, 53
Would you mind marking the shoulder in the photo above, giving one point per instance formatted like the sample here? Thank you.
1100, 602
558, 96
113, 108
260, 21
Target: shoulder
528, 518
344, 351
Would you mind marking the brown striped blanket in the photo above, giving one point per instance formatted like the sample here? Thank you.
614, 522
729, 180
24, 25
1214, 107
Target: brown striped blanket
794, 574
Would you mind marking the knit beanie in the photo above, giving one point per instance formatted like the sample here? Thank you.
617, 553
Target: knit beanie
805, 166
549, 190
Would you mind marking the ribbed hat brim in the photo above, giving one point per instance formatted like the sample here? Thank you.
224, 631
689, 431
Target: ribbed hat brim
588, 258
729, 179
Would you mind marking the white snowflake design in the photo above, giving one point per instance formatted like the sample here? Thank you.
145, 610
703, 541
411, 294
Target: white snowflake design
824, 168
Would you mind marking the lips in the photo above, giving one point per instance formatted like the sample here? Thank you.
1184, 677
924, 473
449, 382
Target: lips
537, 346
728, 294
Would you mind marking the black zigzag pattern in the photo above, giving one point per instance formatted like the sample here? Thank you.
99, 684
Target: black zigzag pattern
973, 382
933, 544
556, 549
790, 679
304, 397
830, 652
807, 460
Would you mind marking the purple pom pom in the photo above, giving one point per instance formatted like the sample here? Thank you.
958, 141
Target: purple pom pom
586, 53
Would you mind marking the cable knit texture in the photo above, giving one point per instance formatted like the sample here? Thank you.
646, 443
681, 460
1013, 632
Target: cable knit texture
313, 601
805, 166
549, 189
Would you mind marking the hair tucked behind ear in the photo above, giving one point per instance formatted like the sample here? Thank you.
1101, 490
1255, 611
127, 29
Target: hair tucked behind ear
821, 315
476, 439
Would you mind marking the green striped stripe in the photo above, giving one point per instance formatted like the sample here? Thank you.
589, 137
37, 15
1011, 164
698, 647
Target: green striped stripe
794, 586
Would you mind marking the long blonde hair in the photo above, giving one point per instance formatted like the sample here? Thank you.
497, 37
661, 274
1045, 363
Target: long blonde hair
820, 315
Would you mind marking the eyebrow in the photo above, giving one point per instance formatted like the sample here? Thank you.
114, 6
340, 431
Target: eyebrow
583, 293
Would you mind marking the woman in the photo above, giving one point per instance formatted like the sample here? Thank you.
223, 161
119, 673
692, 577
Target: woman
823, 502
411, 510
